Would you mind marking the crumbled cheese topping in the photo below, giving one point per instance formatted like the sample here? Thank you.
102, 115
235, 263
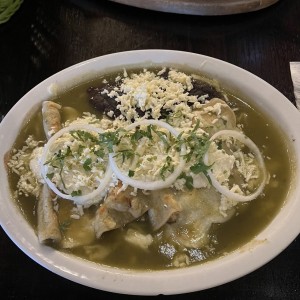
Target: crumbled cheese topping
148, 91
28, 183
222, 163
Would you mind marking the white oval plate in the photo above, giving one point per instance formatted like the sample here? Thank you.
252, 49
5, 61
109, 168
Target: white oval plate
201, 7
275, 238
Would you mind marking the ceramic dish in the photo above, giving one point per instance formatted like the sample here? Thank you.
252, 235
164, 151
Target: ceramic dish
265, 246
201, 7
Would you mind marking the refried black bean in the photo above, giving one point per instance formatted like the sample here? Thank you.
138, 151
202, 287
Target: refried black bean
108, 105
201, 88
102, 102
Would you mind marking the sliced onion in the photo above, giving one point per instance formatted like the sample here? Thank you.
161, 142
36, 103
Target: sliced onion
251, 145
83, 199
150, 185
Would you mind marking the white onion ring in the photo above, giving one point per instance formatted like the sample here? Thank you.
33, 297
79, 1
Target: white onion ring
150, 185
251, 145
83, 199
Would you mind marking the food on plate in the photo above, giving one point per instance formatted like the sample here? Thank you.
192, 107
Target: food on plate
148, 169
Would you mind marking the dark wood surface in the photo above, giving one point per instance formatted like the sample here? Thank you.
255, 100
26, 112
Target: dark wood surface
44, 37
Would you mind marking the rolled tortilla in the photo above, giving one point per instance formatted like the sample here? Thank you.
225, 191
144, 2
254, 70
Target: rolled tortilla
48, 226
51, 117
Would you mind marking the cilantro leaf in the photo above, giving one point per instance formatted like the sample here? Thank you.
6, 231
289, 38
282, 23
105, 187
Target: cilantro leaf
76, 193
189, 182
166, 167
130, 173
87, 164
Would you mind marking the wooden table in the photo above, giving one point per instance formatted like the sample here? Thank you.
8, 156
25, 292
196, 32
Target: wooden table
44, 37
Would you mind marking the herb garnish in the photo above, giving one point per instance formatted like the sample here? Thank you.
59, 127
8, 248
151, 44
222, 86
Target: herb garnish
83, 136
110, 139
65, 225
188, 180
163, 137
87, 165
166, 167
126, 154
139, 133
76, 193
130, 173
197, 146
57, 161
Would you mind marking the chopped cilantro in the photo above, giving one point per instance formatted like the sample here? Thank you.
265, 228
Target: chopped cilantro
163, 137
126, 154
100, 153
110, 139
83, 136
76, 193
130, 173
57, 160
50, 175
188, 180
65, 225
87, 164
201, 167
138, 134
166, 167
